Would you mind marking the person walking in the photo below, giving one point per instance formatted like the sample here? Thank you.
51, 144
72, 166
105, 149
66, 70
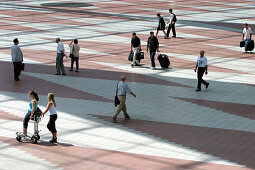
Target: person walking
202, 68
136, 48
17, 59
74, 54
247, 35
33, 106
171, 22
122, 90
51, 107
161, 24
59, 58
153, 46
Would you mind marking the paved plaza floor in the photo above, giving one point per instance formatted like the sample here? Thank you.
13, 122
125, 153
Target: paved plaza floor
171, 126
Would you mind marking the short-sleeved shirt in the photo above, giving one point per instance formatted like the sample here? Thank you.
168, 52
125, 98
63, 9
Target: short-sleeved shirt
171, 18
247, 33
17, 55
162, 22
123, 88
153, 43
75, 49
202, 62
60, 47
135, 42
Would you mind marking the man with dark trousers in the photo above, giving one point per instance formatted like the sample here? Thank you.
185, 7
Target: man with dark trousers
17, 59
153, 46
171, 23
202, 68
161, 24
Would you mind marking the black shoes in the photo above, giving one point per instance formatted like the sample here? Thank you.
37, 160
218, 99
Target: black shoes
206, 86
76, 71
127, 118
53, 140
57, 74
114, 120
198, 90
17, 79
63, 74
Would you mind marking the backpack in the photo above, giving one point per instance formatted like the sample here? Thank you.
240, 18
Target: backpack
174, 19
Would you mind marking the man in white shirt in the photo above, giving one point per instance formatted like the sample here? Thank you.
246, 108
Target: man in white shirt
17, 58
247, 34
122, 90
202, 68
59, 58
171, 23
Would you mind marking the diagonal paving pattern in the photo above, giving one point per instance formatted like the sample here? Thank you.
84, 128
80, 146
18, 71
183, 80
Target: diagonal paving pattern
172, 126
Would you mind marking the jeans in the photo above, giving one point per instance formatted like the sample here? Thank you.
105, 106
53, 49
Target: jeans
17, 69
135, 51
26, 119
246, 42
200, 73
152, 54
169, 29
60, 64
76, 60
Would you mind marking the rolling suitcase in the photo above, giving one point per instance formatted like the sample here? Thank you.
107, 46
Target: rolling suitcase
163, 60
250, 45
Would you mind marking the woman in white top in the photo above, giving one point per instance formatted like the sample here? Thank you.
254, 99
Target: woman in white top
202, 68
51, 107
74, 50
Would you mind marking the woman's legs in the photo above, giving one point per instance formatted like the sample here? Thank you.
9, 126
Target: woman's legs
52, 127
25, 122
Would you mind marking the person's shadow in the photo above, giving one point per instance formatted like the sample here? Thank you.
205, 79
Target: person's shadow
45, 143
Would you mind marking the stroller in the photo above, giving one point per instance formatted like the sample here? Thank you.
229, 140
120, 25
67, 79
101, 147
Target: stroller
35, 137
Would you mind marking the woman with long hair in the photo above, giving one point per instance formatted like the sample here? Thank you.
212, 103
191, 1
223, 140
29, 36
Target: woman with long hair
51, 107
33, 105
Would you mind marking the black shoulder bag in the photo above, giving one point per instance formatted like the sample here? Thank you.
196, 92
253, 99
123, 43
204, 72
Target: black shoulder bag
116, 100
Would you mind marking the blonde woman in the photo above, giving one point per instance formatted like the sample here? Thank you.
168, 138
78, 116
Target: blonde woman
51, 107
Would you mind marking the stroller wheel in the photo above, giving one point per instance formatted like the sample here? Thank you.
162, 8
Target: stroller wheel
38, 137
18, 138
33, 140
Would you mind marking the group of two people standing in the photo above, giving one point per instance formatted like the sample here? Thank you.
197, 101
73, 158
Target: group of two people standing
74, 55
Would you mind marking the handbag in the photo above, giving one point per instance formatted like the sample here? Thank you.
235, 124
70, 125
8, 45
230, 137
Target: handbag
116, 99
242, 44
71, 54
140, 55
130, 57
22, 66
36, 114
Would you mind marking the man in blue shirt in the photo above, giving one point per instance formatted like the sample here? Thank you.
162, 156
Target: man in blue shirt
122, 90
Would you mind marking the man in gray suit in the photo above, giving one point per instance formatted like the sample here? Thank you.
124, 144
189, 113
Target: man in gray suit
17, 59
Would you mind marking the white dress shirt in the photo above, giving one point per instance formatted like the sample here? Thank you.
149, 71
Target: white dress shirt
247, 33
60, 47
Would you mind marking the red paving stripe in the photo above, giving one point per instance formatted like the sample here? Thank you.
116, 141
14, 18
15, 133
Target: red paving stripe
244, 110
43, 87
86, 73
76, 157
235, 146
8, 116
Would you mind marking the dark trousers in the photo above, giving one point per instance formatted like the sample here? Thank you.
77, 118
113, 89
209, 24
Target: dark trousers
76, 60
26, 119
169, 29
200, 73
152, 55
51, 124
17, 69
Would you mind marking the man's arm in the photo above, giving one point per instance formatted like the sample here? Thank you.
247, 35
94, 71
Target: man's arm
196, 67
157, 45
133, 94
206, 69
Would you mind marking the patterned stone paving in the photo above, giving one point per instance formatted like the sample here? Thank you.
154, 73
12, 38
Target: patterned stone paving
172, 126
